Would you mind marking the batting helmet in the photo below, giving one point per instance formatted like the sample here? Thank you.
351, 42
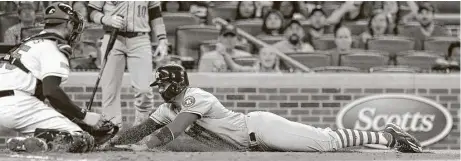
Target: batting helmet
58, 13
174, 74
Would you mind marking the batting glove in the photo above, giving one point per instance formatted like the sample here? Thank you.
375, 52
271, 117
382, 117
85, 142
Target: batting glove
93, 119
162, 49
115, 21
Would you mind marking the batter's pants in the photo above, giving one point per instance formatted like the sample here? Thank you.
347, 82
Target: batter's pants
275, 133
136, 53
24, 113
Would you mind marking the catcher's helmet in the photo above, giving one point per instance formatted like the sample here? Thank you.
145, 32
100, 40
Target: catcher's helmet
174, 74
58, 13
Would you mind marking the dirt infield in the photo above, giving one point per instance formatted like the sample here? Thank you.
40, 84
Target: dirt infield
368, 155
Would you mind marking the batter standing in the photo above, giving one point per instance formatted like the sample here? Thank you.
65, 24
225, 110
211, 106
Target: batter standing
132, 48
200, 115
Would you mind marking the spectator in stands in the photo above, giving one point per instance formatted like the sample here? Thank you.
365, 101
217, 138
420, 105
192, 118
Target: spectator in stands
84, 56
214, 61
175, 6
200, 9
82, 8
428, 28
296, 39
377, 26
393, 11
451, 60
27, 19
318, 23
268, 62
351, 11
343, 42
246, 10
272, 24
290, 9
14, 6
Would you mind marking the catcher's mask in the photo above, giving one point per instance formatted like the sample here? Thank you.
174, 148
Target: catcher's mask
58, 13
174, 74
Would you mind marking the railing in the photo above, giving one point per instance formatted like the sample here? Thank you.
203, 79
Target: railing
254, 40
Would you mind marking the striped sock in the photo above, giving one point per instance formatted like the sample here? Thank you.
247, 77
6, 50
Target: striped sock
349, 137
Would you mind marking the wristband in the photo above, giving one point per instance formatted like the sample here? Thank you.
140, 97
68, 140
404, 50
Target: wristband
160, 31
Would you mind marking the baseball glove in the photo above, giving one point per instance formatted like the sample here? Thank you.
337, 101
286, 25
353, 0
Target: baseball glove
102, 134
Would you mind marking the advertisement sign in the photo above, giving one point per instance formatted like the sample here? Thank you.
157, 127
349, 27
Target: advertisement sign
423, 118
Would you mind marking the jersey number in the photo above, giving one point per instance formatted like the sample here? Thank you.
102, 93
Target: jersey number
142, 11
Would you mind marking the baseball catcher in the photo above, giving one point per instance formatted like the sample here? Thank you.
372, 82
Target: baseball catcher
201, 115
32, 72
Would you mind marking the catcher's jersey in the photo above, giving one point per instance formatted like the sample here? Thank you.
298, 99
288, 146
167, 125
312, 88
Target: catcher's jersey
42, 57
216, 125
135, 12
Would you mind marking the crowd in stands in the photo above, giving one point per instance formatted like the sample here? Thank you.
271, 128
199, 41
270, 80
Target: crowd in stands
353, 36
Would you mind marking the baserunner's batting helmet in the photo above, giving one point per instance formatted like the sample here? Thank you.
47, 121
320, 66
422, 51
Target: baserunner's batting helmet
174, 74
59, 12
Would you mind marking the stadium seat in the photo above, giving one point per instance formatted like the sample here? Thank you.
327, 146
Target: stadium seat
226, 12
447, 19
173, 20
327, 42
447, 6
189, 38
364, 60
271, 39
391, 44
246, 61
357, 27
336, 69
420, 59
210, 45
312, 59
7, 20
394, 69
252, 27
439, 44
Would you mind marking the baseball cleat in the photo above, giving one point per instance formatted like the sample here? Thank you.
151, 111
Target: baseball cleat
403, 141
26, 144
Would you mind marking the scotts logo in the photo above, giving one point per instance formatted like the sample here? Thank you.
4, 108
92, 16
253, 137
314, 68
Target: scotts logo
425, 119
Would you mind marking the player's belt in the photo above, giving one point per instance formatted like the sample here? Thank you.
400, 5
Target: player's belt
130, 34
6, 93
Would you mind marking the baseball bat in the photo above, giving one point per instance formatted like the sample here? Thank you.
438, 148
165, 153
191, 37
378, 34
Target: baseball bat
110, 45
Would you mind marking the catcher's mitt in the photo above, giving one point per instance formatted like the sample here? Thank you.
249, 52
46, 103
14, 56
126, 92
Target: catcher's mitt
103, 133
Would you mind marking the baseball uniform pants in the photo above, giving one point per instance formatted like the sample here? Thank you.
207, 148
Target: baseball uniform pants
136, 53
275, 133
24, 113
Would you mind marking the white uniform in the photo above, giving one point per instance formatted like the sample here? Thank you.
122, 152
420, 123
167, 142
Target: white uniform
24, 112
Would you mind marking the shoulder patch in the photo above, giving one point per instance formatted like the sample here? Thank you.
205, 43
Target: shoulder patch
188, 101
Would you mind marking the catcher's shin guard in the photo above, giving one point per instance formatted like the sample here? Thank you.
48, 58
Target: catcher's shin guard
77, 142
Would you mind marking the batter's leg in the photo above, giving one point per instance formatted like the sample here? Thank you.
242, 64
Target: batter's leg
276, 133
112, 78
140, 67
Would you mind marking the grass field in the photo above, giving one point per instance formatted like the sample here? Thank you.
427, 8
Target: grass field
368, 155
